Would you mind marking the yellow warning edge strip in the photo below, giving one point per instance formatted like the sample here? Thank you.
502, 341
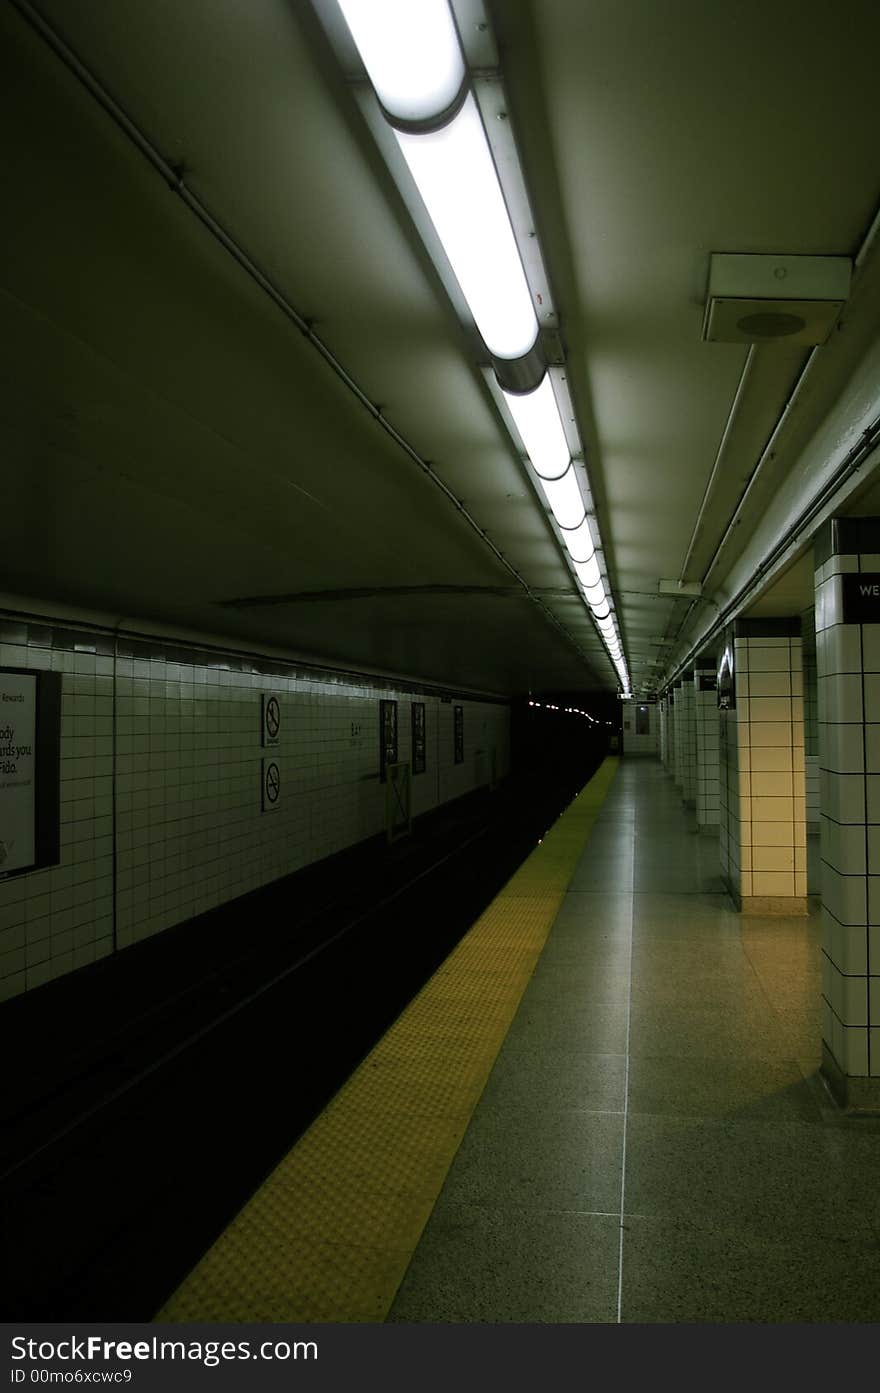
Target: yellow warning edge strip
330, 1233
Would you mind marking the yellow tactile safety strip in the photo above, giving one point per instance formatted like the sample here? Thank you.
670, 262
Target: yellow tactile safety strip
329, 1235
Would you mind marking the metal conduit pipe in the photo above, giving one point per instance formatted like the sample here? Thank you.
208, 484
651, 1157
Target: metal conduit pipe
865, 249
767, 453
719, 454
175, 181
852, 461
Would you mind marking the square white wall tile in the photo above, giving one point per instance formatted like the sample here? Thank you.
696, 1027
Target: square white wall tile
849, 998
870, 646
845, 896
775, 658
845, 944
772, 858
775, 883
838, 649
842, 796
771, 759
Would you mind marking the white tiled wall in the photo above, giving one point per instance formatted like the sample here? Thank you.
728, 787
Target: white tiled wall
848, 669
634, 744
763, 796
161, 764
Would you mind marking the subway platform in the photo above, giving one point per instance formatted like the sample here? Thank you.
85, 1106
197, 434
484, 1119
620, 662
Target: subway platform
604, 1107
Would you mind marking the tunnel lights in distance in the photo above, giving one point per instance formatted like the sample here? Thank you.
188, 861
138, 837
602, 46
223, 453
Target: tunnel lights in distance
567, 711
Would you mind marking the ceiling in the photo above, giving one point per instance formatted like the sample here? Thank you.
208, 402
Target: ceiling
180, 451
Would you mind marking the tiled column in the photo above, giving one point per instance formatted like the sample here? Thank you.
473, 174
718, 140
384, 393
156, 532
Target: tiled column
706, 722
670, 733
680, 742
761, 769
847, 559
689, 731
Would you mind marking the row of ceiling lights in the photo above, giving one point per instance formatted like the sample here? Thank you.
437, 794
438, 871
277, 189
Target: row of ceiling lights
413, 57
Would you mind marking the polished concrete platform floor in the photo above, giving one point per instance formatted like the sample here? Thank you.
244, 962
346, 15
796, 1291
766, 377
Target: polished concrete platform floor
655, 1143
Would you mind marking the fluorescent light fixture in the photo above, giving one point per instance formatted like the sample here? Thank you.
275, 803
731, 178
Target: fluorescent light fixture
595, 593
579, 542
411, 53
588, 573
565, 498
456, 178
538, 422
413, 57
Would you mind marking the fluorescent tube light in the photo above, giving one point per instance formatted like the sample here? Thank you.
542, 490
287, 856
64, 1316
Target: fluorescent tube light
588, 573
579, 541
456, 178
411, 53
565, 498
595, 594
538, 422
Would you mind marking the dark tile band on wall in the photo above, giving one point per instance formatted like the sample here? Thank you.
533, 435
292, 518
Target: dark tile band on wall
767, 628
105, 643
846, 537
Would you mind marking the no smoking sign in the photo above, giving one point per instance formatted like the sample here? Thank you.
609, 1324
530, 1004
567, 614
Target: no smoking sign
271, 785
271, 719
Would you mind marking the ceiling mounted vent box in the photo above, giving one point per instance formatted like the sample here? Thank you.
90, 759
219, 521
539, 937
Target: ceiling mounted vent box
774, 299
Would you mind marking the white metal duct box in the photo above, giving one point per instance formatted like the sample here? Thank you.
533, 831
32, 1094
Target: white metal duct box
767, 299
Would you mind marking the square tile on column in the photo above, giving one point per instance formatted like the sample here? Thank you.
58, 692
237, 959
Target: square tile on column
771, 759
772, 858
769, 659
843, 846
844, 895
849, 998
842, 796
870, 647
838, 649
842, 746
845, 944
850, 1048
770, 684
840, 695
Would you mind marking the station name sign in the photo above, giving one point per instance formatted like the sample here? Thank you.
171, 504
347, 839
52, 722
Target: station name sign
861, 598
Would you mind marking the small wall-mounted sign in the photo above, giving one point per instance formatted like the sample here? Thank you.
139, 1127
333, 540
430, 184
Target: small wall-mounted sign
387, 736
271, 778
708, 681
18, 794
30, 741
861, 598
271, 720
418, 737
725, 679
